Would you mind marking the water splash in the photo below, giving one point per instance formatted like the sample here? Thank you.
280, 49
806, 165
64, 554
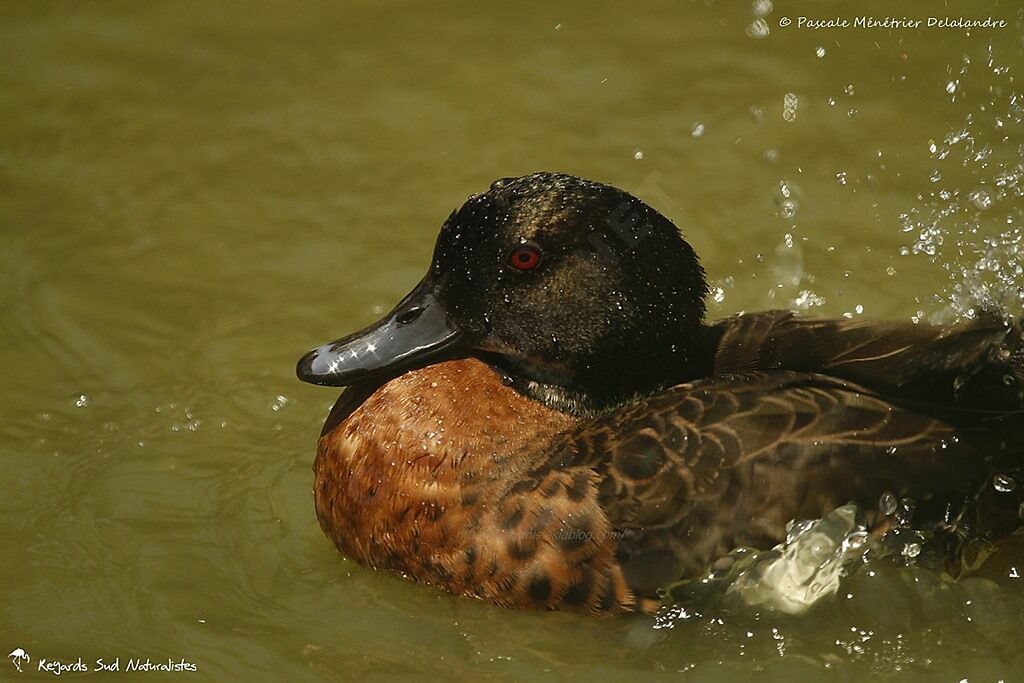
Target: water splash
792, 577
807, 567
807, 299
971, 221
819, 559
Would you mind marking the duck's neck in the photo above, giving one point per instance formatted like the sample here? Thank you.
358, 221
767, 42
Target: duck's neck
615, 378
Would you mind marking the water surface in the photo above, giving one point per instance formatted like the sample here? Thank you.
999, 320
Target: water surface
193, 194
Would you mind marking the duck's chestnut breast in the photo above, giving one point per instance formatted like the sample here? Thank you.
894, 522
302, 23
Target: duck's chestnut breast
429, 475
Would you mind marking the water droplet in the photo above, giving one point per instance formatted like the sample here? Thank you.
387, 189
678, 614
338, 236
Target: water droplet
905, 514
697, 130
790, 102
820, 51
758, 28
638, 154
848, 89
951, 87
718, 294
763, 8
279, 403
981, 199
785, 198
808, 299
888, 503
1004, 483
841, 177
911, 550
81, 400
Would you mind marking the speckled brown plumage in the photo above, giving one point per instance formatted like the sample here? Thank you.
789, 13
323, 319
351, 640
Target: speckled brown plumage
428, 477
727, 462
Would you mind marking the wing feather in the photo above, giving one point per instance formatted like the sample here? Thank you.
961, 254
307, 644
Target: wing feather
695, 471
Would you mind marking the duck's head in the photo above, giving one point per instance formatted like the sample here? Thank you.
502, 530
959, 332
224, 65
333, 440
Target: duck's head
580, 293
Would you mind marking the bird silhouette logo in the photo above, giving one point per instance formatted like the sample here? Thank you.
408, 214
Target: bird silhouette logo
18, 656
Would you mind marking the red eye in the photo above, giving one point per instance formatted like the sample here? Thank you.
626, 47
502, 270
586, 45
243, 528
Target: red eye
525, 257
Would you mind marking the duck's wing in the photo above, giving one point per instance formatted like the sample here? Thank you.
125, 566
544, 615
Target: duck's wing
685, 476
976, 365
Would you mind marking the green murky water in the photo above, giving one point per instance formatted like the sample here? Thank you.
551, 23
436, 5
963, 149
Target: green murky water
191, 195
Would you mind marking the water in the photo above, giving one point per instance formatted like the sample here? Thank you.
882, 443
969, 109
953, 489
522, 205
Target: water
193, 195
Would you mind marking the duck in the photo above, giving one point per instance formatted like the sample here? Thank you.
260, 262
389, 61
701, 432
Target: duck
548, 421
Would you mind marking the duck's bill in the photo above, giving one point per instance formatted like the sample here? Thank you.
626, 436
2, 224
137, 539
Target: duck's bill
416, 333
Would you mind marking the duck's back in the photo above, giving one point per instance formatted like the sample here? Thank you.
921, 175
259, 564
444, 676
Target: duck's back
973, 367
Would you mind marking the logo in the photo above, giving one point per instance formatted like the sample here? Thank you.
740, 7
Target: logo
20, 659
18, 656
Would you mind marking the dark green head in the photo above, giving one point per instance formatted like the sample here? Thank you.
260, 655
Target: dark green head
579, 292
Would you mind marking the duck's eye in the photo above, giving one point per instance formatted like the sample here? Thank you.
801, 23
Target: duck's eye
525, 257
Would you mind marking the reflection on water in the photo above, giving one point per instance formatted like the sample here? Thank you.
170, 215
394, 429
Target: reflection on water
190, 196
